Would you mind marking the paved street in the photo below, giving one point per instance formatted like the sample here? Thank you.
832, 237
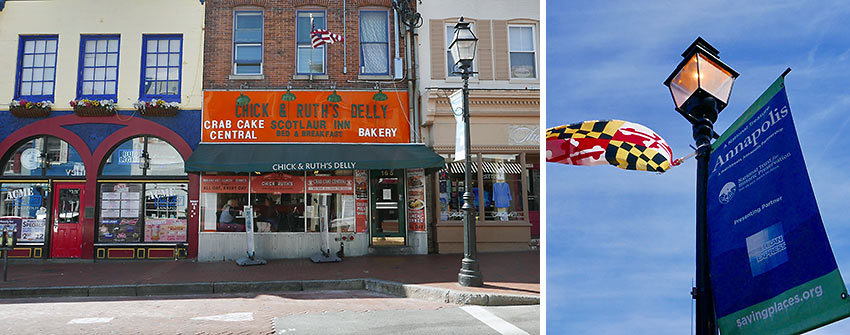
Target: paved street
318, 312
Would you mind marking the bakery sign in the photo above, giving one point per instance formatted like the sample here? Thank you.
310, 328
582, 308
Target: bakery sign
305, 116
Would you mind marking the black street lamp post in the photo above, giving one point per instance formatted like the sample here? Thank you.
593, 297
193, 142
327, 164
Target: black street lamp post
463, 52
701, 86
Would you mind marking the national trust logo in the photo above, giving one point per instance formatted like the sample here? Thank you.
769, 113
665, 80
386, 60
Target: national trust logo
727, 192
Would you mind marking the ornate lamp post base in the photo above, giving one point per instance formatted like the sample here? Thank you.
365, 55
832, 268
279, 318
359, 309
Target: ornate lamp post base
469, 274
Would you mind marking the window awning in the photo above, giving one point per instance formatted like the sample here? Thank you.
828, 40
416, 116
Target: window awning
270, 157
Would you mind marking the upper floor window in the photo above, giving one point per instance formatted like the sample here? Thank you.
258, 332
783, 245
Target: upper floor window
248, 42
309, 60
452, 68
98, 75
522, 52
36, 72
161, 67
374, 43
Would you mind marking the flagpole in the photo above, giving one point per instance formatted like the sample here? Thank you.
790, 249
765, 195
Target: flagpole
312, 28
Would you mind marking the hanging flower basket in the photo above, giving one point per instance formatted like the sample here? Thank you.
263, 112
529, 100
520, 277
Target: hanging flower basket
85, 107
30, 109
157, 108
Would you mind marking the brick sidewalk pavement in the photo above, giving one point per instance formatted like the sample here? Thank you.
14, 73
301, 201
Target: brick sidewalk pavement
504, 273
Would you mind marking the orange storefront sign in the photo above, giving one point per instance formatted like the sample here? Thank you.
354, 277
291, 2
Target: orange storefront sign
305, 116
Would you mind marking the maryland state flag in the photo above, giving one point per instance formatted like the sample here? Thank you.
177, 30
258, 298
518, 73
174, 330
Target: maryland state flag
623, 144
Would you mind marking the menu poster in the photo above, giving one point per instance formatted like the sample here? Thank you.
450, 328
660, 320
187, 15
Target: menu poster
10, 223
165, 230
110, 195
110, 213
119, 230
32, 230
361, 202
416, 199
129, 213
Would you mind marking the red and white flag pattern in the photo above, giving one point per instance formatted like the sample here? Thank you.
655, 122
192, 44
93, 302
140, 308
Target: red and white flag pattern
322, 36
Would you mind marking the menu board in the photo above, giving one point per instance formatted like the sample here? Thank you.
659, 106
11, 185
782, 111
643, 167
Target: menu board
416, 199
120, 213
361, 200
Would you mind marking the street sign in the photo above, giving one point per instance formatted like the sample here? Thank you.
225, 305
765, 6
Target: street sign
772, 268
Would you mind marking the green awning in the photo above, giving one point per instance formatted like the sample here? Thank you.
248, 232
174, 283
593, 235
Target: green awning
270, 157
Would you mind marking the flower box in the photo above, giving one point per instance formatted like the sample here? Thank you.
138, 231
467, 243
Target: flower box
93, 111
158, 111
21, 111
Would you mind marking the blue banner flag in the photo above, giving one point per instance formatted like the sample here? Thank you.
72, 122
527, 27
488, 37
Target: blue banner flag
772, 268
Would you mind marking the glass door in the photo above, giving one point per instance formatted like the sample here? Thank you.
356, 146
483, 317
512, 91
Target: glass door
388, 216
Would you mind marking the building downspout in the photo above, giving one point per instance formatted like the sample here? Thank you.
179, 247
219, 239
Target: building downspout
410, 82
416, 83
344, 40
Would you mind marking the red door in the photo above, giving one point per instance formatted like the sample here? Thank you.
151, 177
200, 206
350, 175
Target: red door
67, 236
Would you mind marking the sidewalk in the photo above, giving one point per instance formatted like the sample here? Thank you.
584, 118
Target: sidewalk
505, 274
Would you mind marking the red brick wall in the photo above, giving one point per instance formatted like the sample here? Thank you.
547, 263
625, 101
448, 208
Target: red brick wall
279, 44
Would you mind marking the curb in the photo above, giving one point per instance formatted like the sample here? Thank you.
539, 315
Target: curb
374, 285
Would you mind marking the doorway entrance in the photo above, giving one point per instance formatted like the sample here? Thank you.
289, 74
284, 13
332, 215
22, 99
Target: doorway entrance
67, 236
389, 224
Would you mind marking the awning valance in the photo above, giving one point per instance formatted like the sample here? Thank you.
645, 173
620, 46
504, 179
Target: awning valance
269, 157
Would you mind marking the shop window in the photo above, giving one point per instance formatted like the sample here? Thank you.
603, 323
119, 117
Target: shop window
282, 202
36, 73
44, 156
374, 43
248, 42
98, 75
165, 212
120, 213
144, 156
142, 212
452, 68
452, 186
309, 60
522, 52
161, 67
502, 189
25, 208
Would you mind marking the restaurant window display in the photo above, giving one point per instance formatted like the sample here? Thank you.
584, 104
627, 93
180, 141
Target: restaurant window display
283, 202
25, 208
44, 156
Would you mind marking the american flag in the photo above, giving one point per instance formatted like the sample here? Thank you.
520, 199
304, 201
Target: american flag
322, 36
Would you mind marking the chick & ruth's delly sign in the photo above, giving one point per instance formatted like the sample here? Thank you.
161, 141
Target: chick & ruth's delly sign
310, 117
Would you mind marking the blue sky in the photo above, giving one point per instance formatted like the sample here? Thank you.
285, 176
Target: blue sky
620, 244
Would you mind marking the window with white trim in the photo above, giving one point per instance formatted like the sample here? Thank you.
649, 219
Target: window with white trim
309, 60
248, 42
522, 52
374, 43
